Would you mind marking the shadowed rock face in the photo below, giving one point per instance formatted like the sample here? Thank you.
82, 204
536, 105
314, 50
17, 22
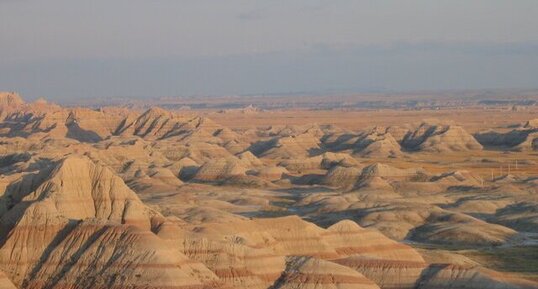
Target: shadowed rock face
520, 139
113, 198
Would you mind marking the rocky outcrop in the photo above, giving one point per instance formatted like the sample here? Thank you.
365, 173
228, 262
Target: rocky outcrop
445, 276
308, 272
220, 169
377, 143
340, 176
460, 229
82, 226
10, 99
288, 147
520, 139
215, 207
440, 138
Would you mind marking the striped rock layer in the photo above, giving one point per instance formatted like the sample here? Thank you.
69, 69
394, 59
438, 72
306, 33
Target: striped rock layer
77, 225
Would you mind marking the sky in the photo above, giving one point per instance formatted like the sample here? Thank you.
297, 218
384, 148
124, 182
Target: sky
68, 49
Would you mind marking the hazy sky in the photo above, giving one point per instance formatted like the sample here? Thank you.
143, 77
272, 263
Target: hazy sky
68, 48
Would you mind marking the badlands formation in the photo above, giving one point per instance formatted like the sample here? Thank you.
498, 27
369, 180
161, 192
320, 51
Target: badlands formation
121, 198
